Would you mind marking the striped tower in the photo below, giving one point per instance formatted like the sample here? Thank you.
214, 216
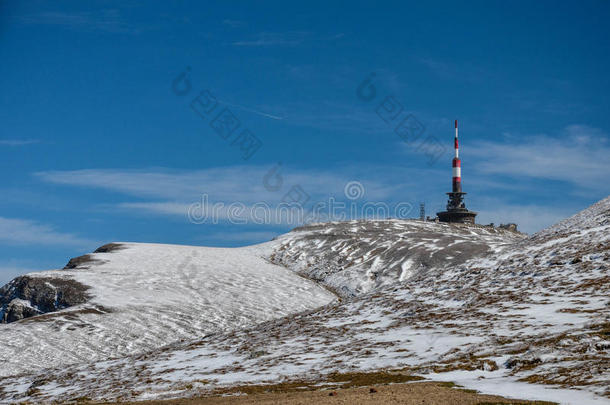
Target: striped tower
457, 165
456, 209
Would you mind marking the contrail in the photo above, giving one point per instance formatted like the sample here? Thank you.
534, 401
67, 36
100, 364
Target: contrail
274, 117
18, 142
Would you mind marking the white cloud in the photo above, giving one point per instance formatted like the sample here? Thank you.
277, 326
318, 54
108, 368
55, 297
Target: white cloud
579, 157
245, 184
230, 183
242, 194
172, 192
165, 207
204, 212
529, 218
26, 232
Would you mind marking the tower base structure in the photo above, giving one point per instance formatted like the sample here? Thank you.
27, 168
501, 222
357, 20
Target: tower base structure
456, 210
460, 215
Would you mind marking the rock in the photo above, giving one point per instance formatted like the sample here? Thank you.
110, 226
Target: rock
509, 227
27, 296
18, 309
490, 365
520, 363
80, 261
109, 247
88, 259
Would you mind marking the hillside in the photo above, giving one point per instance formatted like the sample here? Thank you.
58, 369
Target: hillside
357, 257
139, 297
492, 310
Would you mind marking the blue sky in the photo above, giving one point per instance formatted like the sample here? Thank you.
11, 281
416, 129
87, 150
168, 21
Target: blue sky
99, 142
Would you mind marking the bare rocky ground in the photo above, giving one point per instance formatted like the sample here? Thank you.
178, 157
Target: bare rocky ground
446, 302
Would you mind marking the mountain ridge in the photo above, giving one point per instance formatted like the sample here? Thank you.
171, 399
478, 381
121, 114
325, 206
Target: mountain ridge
526, 312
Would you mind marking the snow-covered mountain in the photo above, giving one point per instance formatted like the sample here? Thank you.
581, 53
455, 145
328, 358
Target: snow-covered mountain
357, 257
140, 297
491, 309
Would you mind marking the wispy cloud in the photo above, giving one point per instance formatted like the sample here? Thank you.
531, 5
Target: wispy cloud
215, 214
243, 237
252, 110
107, 20
290, 38
441, 68
233, 23
237, 183
173, 193
529, 217
334, 116
234, 212
579, 156
164, 208
25, 232
233, 183
451, 70
18, 142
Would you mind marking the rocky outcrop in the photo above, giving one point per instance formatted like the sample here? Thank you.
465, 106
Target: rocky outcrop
109, 247
81, 262
84, 261
28, 296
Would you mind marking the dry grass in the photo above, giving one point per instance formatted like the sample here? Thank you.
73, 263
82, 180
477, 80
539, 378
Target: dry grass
420, 393
339, 380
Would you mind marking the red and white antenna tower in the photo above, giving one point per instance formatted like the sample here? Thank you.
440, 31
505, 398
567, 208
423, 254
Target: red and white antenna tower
457, 164
456, 209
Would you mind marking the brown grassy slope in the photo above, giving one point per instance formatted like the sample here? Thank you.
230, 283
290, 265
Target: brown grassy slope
420, 393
